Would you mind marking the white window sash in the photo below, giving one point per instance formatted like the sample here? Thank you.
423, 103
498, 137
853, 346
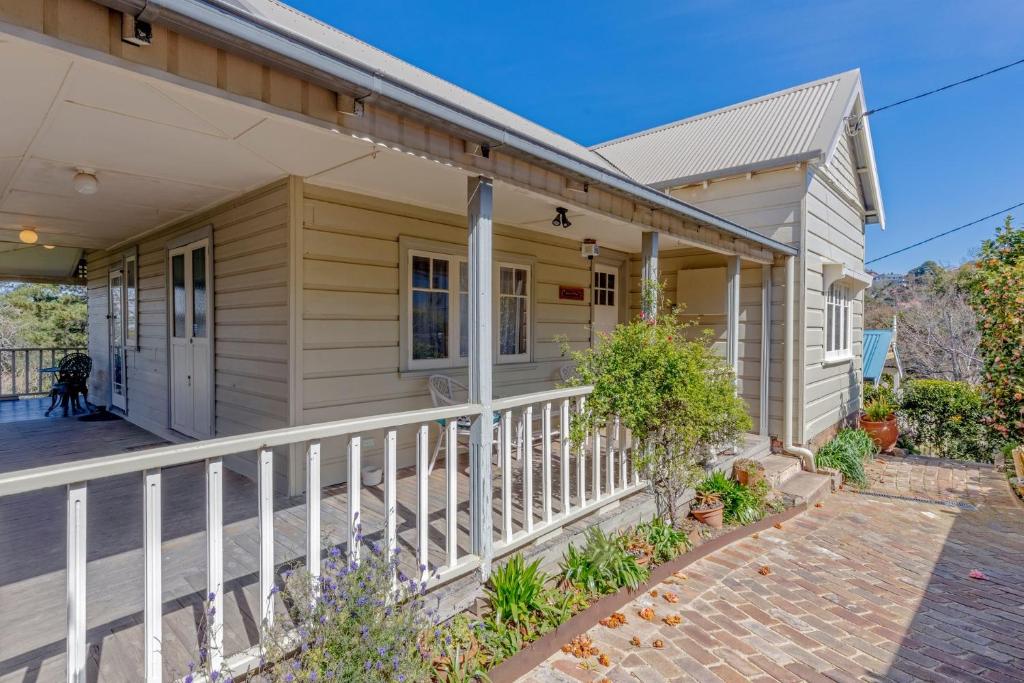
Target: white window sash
838, 323
452, 359
528, 298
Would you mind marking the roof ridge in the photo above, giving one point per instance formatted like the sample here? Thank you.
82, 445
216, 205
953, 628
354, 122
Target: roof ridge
721, 110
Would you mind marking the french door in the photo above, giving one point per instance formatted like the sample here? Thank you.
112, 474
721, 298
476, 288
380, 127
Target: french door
190, 347
115, 284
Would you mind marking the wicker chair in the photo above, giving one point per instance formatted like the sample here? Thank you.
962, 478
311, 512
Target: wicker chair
72, 382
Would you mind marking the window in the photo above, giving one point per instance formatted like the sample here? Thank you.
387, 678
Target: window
513, 312
131, 299
838, 325
438, 311
604, 288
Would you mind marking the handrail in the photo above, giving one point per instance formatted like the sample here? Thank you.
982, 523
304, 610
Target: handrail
540, 397
20, 368
62, 474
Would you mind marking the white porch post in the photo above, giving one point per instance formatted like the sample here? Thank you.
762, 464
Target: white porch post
766, 346
649, 258
480, 203
732, 336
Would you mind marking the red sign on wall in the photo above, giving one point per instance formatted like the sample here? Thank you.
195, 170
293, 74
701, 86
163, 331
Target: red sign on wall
570, 293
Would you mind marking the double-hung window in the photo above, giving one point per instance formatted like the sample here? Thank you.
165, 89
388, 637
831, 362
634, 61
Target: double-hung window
838, 325
438, 311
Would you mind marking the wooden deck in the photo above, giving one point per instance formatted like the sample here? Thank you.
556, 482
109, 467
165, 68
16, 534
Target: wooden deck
32, 548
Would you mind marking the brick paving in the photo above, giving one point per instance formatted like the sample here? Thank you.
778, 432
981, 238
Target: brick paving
863, 588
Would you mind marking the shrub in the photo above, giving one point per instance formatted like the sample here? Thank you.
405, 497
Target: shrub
847, 453
516, 591
879, 409
883, 390
946, 418
674, 394
665, 540
603, 566
743, 505
996, 285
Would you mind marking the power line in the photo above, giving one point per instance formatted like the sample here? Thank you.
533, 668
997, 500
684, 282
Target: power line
855, 119
947, 232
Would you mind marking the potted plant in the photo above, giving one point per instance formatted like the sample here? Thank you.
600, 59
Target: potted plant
707, 509
748, 472
879, 421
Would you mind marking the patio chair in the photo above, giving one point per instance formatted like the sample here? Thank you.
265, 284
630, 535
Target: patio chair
442, 393
72, 382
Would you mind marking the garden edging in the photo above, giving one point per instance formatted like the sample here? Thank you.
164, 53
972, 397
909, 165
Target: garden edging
538, 651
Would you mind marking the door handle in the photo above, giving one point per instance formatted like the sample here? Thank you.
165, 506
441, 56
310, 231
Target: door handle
188, 380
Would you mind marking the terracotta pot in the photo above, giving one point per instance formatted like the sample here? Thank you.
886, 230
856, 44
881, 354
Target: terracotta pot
749, 478
884, 433
711, 516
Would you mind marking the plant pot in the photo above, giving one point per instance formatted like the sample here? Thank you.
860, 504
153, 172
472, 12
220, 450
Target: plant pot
884, 433
711, 516
750, 477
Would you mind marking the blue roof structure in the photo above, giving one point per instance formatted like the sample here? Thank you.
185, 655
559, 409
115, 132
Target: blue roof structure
876, 348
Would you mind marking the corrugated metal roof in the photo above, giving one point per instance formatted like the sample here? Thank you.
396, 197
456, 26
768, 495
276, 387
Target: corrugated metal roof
876, 349
334, 40
787, 126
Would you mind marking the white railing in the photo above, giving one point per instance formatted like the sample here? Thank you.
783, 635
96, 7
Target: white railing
560, 502
21, 369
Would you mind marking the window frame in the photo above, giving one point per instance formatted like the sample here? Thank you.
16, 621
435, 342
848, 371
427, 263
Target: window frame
528, 296
453, 359
838, 328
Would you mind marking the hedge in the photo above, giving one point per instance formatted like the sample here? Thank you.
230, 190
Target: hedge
945, 418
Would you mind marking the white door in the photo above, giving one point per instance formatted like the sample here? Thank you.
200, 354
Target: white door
191, 325
605, 299
116, 332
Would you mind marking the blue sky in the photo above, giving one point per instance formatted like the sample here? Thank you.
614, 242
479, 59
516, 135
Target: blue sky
597, 70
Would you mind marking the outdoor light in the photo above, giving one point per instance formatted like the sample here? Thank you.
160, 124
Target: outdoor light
85, 182
82, 269
561, 220
28, 236
49, 246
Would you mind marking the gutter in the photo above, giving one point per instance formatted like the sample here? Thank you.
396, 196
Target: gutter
806, 457
227, 25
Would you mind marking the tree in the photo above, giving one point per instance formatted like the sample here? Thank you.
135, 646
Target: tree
43, 315
996, 286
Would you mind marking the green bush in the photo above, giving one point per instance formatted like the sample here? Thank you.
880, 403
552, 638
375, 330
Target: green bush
743, 504
945, 418
883, 390
665, 540
603, 566
847, 453
516, 591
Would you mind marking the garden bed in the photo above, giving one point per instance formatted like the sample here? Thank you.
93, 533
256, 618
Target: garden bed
536, 652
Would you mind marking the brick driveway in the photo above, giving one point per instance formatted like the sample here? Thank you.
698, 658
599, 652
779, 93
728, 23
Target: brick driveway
863, 588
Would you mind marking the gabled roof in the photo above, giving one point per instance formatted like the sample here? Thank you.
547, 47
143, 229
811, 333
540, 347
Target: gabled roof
798, 124
876, 350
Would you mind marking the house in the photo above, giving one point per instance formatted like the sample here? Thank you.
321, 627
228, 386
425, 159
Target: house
286, 234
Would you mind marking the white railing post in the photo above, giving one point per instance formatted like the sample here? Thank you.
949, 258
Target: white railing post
563, 453
506, 475
215, 561
610, 446
596, 462
76, 567
391, 492
452, 471
620, 448
649, 249
527, 418
313, 510
153, 593
422, 495
546, 451
266, 514
355, 445
581, 464
479, 205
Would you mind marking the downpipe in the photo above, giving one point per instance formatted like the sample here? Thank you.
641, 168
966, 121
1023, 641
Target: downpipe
806, 456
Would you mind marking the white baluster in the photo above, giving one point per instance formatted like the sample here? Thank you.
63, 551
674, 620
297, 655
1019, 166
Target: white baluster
391, 491
313, 509
153, 593
355, 445
76, 565
527, 417
581, 464
563, 452
422, 493
610, 464
546, 450
451, 464
621, 450
215, 560
596, 461
266, 514
506, 475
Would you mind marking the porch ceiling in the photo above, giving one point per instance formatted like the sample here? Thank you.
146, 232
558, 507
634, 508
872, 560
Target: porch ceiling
162, 151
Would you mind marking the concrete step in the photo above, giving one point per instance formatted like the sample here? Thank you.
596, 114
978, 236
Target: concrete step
805, 487
780, 468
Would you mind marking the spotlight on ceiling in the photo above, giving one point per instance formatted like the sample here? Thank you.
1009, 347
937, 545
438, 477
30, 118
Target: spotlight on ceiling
561, 220
28, 236
85, 182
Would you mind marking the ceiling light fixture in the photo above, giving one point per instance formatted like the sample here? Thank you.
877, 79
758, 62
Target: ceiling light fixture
49, 246
28, 236
85, 181
561, 220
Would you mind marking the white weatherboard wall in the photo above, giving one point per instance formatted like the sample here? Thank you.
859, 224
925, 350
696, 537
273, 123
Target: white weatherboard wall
250, 318
351, 310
